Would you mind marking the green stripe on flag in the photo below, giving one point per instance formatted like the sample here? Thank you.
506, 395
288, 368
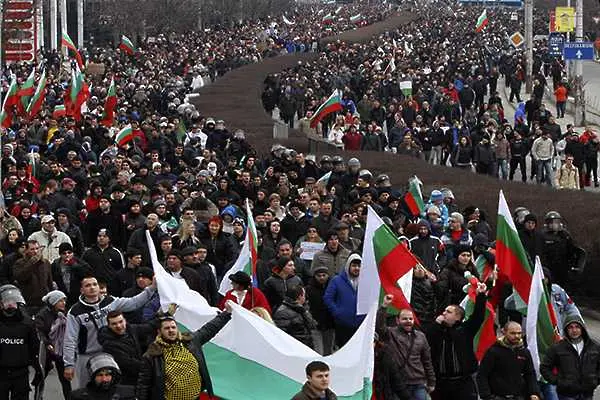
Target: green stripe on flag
384, 242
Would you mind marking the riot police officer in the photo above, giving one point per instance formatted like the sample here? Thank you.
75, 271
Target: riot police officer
104, 378
559, 251
19, 346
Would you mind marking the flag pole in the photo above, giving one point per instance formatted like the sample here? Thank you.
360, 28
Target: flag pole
248, 233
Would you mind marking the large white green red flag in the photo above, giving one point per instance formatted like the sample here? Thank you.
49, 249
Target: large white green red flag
387, 266
248, 257
252, 359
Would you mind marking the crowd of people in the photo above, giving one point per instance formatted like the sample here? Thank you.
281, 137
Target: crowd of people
430, 89
76, 271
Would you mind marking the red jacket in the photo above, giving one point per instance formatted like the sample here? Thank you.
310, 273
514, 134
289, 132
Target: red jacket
352, 141
259, 300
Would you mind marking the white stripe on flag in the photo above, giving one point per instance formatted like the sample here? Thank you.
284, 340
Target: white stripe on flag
535, 297
369, 285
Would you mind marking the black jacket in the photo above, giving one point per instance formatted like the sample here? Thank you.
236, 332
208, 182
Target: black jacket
296, 321
506, 371
105, 263
576, 374
91, 392
221, 249
127, 350
452, 347
389, 380
151, 381
318, 309
76, 272
292, 229
207, 283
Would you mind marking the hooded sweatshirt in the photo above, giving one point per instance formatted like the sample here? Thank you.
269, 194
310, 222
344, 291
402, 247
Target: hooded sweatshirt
341, 296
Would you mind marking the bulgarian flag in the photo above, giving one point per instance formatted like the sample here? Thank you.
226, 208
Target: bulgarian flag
484, 268
331, 105
36, 102
391, 67
79, 92
264, 353
540, 328
11, 98
25, 92
127, 46
482, 21
486, 336
414, 197
387, 267
324, 180
31, 172
328, 19
59, 111
514, 267
124, 136
109, 105
248, 257
68, 43
356, 18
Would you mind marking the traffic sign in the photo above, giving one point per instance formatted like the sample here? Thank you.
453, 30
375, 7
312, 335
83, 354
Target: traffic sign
578, 51
556, 41
516, 39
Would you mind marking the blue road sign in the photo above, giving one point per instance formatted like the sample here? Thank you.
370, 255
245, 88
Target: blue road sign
578, 51
556, 41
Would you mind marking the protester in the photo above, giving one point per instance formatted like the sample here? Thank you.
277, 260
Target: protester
317, 383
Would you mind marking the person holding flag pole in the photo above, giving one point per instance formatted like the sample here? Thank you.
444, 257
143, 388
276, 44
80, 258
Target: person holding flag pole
239, 283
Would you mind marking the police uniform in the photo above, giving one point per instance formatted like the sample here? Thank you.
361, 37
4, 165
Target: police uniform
19, 348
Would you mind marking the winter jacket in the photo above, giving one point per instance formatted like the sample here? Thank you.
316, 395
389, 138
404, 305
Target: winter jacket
126, 349
318, 308
334, 262
389, 379
567, 177
222, 249
276, 287
49, 243
296, 321
507, 371
105, 263
74, 274
542, 149
84, 320
253, 299
409, 350
484, 154
91, 392
112, 221
138, 241
451, 282
308, 393
502, 148
452, 346
292, 228
430, 251
151, 381
324, 224
422, 300
573, 374
76, 236
34, 278
462, 156
340, 298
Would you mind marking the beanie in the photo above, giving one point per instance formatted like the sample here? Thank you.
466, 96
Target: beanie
53, 297
457, 217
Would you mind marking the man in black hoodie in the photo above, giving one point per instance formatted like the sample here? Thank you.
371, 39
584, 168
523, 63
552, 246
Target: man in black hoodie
573, 364
506, 370
451, 342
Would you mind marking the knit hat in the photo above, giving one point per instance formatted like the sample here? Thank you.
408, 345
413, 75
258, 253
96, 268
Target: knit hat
462, 248
320, 269
64, 247
434, 210
176, 253
144, 272
530, 218
457, 217
53, 297
436, 195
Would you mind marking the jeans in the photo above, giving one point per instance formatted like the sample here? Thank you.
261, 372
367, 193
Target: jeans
560, 109
435, 156
544, 169
503, 168
417, 392
548, 391
518, 163
323, 341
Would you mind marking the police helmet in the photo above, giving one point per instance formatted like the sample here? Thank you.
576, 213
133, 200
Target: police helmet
325, 159
552, 215
354, 162
103, 361
337, 160
519, 214
11, 295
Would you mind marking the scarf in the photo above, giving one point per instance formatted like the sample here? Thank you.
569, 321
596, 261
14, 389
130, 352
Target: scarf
182, 379
57, 333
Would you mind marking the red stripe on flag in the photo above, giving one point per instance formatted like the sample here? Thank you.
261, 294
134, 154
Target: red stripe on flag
412, 204
511, 266
392, 267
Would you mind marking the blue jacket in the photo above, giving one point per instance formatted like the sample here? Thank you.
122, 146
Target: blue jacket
340, 298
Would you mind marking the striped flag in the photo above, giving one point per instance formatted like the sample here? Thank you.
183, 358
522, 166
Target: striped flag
124, 136
324, 180
387, 266
541, 331
264, 353
248, 257
35, 105
331, 105
11, 98
482, 21
486, 335
26, 90
414, 197
110, 103
127, 46
68, 43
